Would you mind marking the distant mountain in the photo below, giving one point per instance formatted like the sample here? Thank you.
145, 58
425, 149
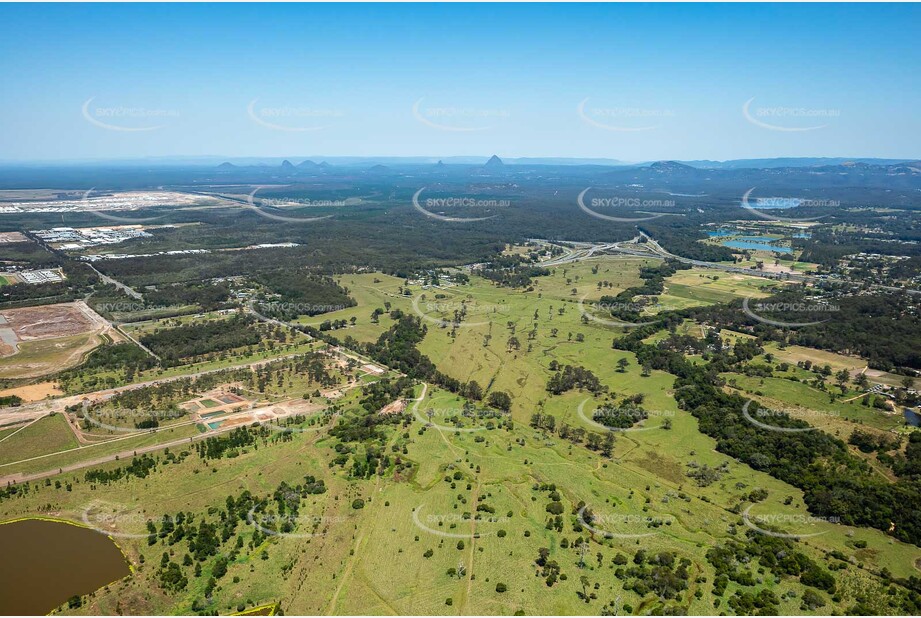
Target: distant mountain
288, 167
679, 177
494, 163
307, 165
787, 162
226, 165
671, 167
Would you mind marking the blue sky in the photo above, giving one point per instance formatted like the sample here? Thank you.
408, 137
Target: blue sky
631, 82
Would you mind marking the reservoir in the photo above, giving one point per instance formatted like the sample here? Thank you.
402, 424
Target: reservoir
755, 243
45, 563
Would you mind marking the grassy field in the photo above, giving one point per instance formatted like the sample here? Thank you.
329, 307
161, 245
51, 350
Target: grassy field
400, 549
44, 356
46, 435
401, 521
700, 286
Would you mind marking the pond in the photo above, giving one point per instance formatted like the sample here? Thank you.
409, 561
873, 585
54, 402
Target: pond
755, 243
44, 563
911, 417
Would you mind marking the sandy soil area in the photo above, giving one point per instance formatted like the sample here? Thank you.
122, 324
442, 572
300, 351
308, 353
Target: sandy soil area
34, 392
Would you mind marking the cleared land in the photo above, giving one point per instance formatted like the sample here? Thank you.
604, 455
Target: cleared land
36, 341
407, 543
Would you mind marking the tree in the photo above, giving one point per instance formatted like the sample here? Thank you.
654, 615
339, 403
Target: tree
500, 400
622, 365
861, 381
841, 378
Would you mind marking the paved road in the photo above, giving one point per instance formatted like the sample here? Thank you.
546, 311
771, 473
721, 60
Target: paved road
652, 249
28, 412
128, 453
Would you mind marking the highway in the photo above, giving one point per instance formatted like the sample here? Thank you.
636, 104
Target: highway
652, 249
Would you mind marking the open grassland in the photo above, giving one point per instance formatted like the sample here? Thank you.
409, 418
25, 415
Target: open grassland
45, 356
375, 559
141, 328
410, 543
838, 417
40, 459
46, 435
699, 286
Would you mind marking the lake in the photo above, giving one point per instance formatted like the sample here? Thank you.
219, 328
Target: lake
755, 243
45, 563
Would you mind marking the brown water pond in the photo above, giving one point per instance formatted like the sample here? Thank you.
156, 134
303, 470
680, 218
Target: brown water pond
45, 563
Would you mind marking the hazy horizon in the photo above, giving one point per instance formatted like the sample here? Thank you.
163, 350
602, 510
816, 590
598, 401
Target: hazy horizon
626, 82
